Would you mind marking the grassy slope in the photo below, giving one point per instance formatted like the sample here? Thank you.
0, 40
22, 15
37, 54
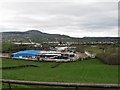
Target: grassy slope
90, 71
97, 49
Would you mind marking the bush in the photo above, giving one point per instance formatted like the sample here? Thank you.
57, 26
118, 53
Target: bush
113, 58
110, 58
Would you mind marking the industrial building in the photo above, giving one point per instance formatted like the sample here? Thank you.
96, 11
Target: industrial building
27, 54
43, 55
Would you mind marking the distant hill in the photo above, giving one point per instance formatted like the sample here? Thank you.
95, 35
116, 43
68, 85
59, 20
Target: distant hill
34, 35
38, 36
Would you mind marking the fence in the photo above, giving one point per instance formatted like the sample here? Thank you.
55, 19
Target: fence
76, 85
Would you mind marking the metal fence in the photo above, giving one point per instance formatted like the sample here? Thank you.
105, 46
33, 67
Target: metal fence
62, 84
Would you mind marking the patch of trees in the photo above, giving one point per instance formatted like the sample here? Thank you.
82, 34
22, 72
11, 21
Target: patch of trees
10, 47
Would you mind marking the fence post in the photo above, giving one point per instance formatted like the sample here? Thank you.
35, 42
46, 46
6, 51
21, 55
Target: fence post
76, 88
9, 86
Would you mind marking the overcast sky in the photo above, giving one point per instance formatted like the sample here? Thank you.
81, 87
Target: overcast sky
69, 17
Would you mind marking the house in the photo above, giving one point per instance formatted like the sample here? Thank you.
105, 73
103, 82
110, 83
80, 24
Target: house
4, 55
64, 48
90, 54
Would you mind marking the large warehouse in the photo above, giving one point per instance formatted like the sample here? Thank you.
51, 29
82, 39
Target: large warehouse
26, 54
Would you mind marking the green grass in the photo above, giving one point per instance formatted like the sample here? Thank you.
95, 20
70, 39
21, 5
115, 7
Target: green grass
89, 71
98, 48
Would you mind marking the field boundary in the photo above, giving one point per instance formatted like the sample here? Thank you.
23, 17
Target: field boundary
62, 84
21, 66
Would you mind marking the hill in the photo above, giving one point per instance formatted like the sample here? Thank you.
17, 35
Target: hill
34, 35
38, 36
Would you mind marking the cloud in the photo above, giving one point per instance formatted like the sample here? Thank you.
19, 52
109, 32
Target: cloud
69, 18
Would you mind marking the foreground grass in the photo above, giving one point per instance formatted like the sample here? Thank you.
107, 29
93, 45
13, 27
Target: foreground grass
89, 71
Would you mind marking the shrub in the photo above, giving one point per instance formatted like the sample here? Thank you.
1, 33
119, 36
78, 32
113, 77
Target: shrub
110, 58
113, 58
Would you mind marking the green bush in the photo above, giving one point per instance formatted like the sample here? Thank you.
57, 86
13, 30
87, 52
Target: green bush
111, 58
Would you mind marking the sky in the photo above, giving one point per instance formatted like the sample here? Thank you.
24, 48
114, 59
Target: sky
75, 18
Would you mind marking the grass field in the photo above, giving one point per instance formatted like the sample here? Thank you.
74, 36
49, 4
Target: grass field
98, 49
89, 71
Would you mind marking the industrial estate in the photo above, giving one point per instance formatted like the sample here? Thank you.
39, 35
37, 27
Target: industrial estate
62, 54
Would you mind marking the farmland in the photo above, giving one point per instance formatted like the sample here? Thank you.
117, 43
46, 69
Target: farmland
88, 71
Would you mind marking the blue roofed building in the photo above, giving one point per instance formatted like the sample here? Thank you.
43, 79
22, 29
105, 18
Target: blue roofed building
27, 54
